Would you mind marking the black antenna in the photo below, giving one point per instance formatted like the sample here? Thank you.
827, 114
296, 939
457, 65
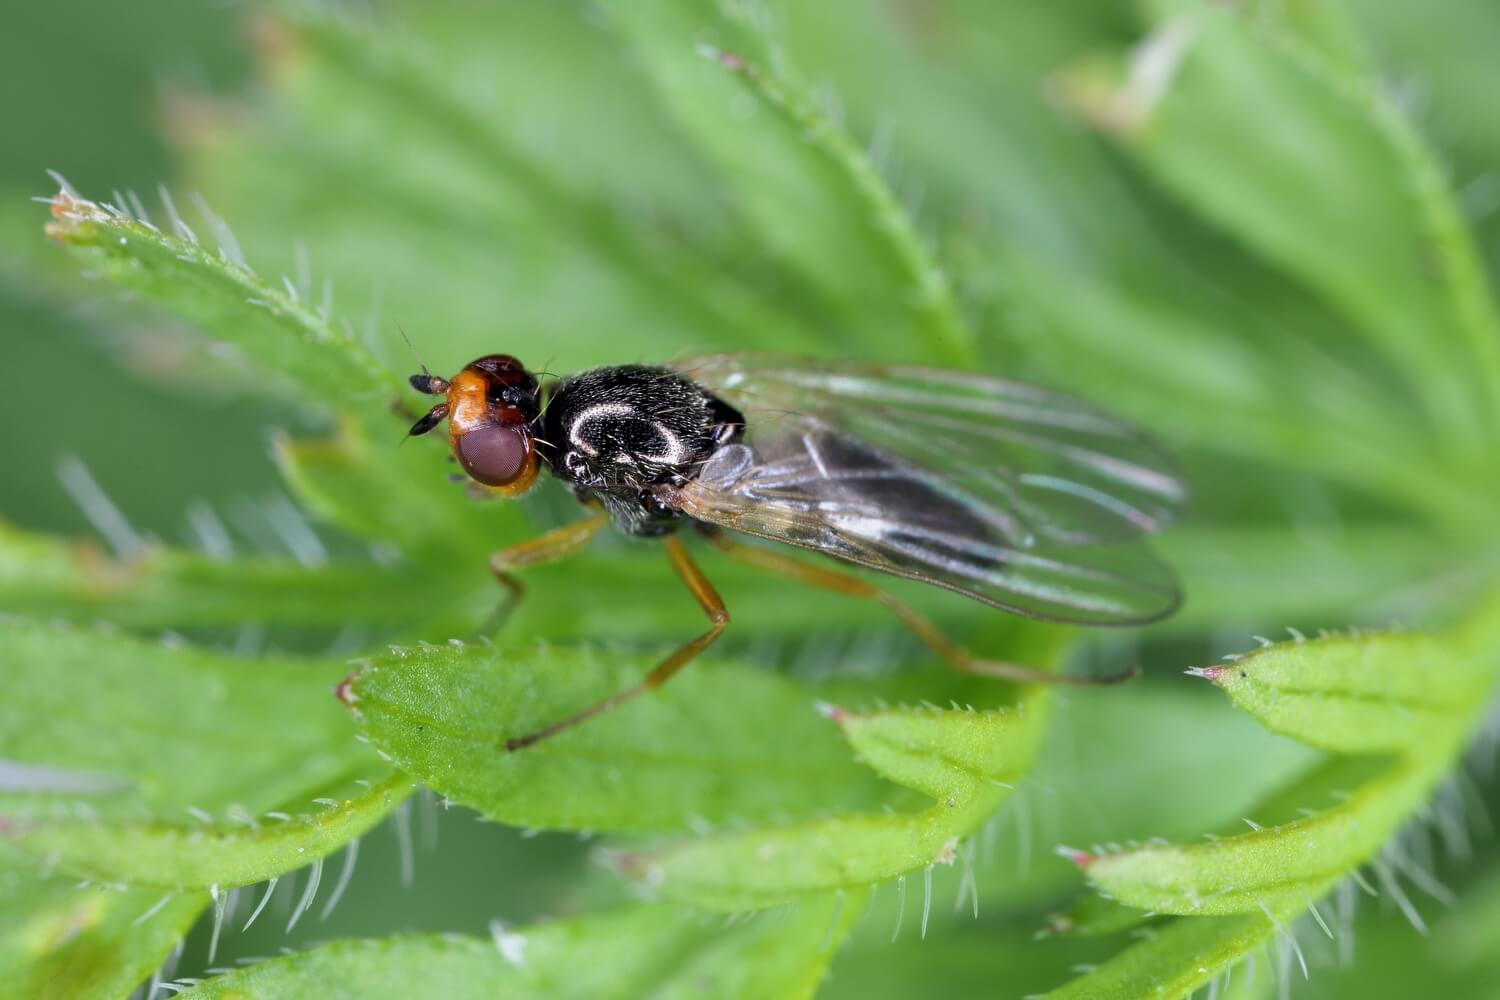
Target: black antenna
415, 356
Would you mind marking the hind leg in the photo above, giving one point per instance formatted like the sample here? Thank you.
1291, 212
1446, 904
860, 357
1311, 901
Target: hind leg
854, 586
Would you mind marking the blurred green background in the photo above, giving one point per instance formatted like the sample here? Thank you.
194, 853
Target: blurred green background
573, 207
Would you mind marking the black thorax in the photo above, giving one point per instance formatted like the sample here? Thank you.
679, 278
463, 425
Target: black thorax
612, 433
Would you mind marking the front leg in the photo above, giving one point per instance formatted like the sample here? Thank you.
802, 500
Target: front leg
548, 547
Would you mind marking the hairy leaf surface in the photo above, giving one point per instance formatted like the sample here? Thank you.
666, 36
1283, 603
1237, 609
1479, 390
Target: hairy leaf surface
658, 951
146, 764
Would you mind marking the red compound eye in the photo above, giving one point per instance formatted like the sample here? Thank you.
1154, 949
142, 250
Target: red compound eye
494, 454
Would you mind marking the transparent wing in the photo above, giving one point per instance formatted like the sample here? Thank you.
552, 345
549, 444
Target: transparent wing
1021, 498
1042, 465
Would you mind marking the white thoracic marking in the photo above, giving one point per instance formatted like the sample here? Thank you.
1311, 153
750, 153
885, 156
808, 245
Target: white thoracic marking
593, 413
672, 451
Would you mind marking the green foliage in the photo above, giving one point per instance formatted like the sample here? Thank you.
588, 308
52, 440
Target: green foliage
1395, 709
805, 189
963, 760
659, 764
653, 951
189, 811
47, 577
1217, 221
1176, 961
273, 327
57, 940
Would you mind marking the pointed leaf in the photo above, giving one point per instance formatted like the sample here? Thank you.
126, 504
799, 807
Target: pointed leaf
1363, 693
489, 215
222, 852
1415, 695
965, 760
1293, 850
1174, 961
694, 752
1249, 125
655, 951
807, 190
291, 340
157, 763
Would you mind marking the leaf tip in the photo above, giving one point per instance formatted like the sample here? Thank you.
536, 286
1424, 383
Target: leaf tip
344, 689
1120, 100
637, 866
1080, 858
729, 60
1207, 673
834, 713
70, 212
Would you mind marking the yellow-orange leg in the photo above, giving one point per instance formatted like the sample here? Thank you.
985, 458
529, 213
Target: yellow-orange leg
853, 586
544, 548
718, 617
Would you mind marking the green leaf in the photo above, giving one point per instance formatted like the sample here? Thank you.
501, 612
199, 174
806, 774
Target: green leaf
805, 188
1246, 124
220, 853
1327, 32
1414, 697
1269, 273
1184, 954
1467, 933
1217, 383
290, 339
1457, 119
60, 941
398, 495
657, 951
1082, 789
162, 766
965, 760
690, 754
945, 755
1294, 848
163, 588
1083, 279
678, 759
1175, 960
1362, 693
1087, 793
487, 219
1093, 915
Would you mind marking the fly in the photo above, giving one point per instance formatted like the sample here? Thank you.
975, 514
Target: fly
1021, 498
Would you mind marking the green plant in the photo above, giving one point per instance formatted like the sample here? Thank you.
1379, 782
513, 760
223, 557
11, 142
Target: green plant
1216, 221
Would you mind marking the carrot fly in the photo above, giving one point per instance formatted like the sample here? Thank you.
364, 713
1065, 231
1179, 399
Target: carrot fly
1021, 498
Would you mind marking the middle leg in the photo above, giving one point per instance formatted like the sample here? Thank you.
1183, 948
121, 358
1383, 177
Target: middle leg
718, 617
853, 586
544, 548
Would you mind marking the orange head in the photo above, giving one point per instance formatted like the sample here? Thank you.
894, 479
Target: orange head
491, 408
